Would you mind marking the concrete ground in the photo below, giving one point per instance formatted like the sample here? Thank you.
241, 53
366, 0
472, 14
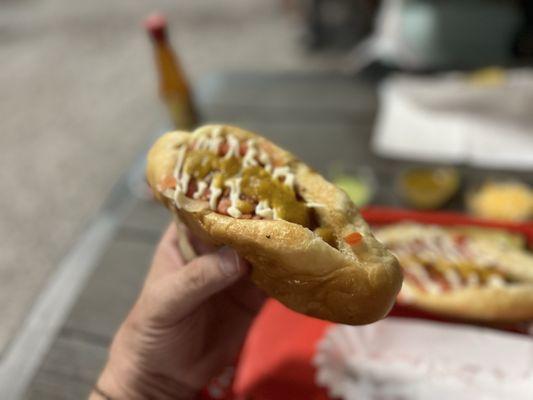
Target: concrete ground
78, 103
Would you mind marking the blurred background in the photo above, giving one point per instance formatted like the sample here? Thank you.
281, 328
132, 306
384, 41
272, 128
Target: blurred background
79, 102
399, 102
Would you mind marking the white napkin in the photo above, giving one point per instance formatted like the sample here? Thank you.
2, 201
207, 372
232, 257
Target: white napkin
450, 119
403, 359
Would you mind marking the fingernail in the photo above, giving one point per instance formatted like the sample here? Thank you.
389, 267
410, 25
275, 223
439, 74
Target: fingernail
229, 261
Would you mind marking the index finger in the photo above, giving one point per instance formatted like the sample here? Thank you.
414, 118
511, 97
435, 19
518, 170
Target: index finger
167, 256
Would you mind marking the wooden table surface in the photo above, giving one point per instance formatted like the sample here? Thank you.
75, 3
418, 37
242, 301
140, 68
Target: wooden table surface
321, 118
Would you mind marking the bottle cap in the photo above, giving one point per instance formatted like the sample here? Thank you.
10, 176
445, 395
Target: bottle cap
156, 26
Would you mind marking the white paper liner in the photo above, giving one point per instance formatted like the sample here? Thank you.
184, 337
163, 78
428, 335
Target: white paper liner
404, 359
448, 119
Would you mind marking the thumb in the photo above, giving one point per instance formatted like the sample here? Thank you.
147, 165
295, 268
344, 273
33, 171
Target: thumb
194, 283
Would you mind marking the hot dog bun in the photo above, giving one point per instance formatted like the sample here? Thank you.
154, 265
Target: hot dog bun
466, 273
350, 284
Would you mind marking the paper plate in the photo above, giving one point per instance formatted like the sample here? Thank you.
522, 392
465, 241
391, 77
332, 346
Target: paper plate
419, 360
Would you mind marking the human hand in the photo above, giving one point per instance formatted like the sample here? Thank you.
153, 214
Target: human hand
188, 323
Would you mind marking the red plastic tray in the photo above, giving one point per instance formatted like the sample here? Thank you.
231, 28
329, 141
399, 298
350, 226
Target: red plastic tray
276, 360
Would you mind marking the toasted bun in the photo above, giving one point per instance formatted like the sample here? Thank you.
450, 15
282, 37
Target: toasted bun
489, 304
505, 302
350, 285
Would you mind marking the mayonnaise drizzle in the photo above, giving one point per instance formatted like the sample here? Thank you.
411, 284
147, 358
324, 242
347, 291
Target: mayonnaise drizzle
265, 160
215, 143
179, 198
472, 279
435, 245
179, 161
263, 210
280, 171
202, 143
202, 186
496, 281
424, 279
235, 193
184, 182
453, 278
217, 131
215, 193
315, 205
233, 147
286, 173
250, 155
